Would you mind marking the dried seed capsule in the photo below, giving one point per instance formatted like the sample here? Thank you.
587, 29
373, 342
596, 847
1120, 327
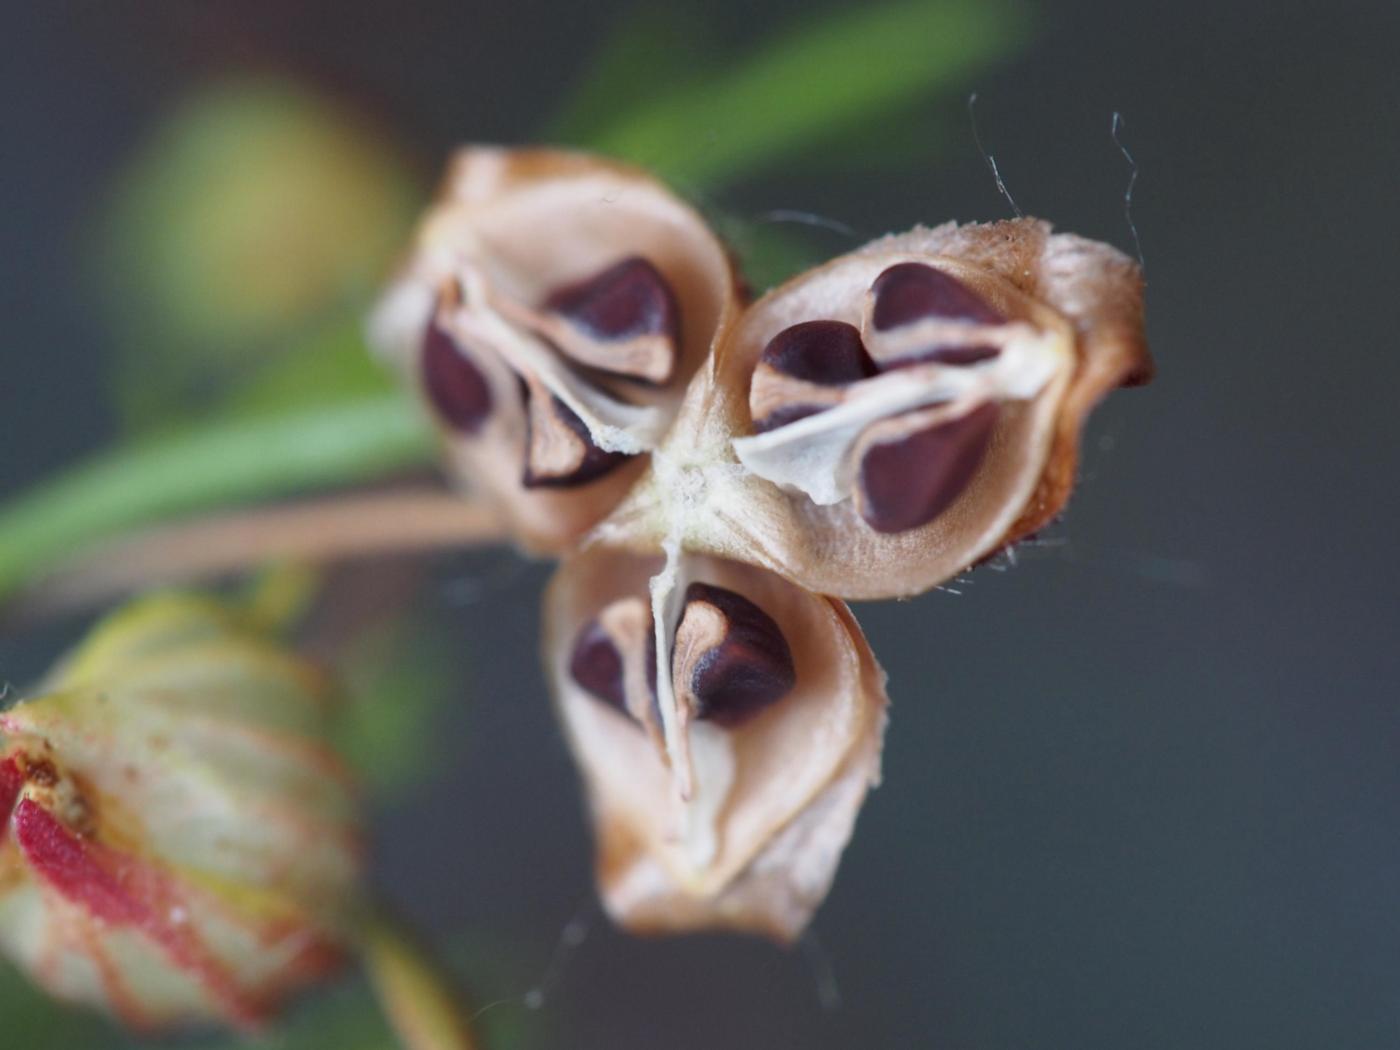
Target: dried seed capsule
986, 348
587, 282
734, 811
177, 843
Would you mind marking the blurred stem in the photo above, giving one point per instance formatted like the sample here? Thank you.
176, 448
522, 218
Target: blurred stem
331, 529
414, 994
214, 465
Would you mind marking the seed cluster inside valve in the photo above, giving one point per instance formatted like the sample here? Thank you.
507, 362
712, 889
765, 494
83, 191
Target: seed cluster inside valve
753, 735
552, 316
728, 659
612, 328
919, 443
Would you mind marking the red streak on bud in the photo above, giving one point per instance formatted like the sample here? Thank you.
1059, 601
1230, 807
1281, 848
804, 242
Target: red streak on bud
11, 781
120, 890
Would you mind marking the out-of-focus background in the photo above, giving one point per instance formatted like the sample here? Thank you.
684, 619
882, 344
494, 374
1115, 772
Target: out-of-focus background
1141, 790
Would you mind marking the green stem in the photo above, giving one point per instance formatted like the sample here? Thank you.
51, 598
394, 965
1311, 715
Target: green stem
213, 466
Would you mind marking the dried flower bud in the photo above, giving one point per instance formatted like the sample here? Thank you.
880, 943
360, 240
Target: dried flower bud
552, 312
727, 724
878, 424
177, 843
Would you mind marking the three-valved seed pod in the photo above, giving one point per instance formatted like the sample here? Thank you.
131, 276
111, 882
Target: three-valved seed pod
552, 311
867, 430
727, 728
875, 426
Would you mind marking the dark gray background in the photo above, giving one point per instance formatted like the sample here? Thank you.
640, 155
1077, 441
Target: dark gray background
1142, 790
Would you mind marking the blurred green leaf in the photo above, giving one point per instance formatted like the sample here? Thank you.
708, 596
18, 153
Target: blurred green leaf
224, 463
810, 86
333, 366
900, 139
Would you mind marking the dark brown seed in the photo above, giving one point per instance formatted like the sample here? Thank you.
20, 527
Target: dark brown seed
909, 482
909, 292
826, 352
627, 300
747, 665
457, 390
596, 665
594, 463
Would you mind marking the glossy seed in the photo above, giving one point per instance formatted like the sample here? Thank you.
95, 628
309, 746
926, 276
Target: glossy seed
627, 300
745, 664
596, 665
593, 464
910, 481
826, 352
456, 388
910, 292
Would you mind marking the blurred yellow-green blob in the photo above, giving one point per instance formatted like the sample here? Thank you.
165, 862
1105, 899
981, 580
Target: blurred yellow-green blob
257, 212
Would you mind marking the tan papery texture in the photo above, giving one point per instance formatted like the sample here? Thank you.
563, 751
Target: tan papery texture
1084, 297
536, 220
761, 854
